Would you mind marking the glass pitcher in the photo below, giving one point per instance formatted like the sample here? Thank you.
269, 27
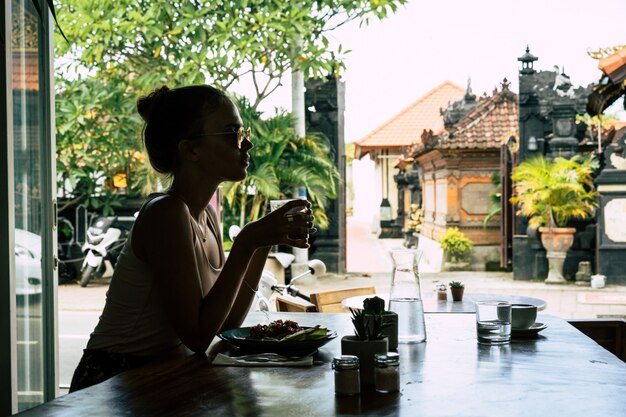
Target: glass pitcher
405, 298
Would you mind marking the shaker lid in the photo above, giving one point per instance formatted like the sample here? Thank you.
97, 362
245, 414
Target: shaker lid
345, 362
387, 359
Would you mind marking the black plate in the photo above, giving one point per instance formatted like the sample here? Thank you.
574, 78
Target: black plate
532, 331
238, 338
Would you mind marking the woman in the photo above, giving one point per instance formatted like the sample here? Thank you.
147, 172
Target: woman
172, 287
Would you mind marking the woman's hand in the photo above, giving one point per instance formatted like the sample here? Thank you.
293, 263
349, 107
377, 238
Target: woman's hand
291, 225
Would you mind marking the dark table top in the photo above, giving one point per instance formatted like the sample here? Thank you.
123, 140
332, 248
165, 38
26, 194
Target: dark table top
467, 305
560, 373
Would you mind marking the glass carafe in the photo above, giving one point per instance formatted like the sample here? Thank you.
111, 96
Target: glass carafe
405, 298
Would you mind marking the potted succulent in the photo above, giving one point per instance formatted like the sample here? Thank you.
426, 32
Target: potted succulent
457, 249
375, 307
368, 339
456, 289
550, 193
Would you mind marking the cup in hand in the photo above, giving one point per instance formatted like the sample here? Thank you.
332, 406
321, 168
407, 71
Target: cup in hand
276, 204
523, 316
493, 322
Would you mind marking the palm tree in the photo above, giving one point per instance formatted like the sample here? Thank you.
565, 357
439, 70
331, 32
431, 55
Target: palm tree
549, 193
279, 162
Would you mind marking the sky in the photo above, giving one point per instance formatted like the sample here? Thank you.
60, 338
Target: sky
426, 42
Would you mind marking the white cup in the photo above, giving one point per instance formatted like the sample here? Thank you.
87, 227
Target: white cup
276, 204
598, 281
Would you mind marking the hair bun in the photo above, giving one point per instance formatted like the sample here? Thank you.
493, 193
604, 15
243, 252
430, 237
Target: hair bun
146, 105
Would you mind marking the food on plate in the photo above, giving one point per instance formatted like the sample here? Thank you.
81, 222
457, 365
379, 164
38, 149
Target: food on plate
287, 330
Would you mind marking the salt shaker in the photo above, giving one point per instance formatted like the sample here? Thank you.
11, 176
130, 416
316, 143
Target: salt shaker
442, 292
347, 381
387, 372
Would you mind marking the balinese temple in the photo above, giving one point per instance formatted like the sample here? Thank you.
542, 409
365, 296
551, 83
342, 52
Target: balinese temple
457, 169
385, 144
612, 84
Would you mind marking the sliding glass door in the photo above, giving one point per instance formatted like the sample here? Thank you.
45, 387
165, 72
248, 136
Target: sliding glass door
30, 206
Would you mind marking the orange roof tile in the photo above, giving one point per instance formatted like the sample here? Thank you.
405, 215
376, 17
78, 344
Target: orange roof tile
614, 66
407, 126
482, 128
485, 125
25, 71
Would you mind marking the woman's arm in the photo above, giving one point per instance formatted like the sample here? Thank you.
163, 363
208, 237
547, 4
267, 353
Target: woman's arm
246, 295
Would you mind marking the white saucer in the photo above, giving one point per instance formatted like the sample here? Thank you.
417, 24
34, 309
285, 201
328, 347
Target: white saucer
531, 331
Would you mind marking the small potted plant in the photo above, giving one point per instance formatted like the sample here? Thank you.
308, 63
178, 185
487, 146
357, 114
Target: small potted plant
374, 307
457, 288
457, 249
368, 339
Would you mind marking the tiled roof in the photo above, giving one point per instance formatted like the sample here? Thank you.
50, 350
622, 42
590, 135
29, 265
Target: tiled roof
485, 125
25, 71
407, 126
482, 128
614, 66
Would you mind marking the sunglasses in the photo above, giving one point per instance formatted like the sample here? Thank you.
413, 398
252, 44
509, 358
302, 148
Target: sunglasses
242, 133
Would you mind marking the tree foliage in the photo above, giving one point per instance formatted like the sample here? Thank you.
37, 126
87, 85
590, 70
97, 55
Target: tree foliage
279, 162
98, 137
118, 50
217, 42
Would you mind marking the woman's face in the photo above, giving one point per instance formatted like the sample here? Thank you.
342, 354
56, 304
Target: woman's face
218, 153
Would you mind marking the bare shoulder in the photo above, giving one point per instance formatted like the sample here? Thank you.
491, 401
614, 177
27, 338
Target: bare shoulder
164, 205
162, 217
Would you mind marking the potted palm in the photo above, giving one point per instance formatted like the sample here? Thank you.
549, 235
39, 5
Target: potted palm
368, 339
550, 193
457, 249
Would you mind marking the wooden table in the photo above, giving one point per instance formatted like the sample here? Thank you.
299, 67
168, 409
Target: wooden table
468, 305
561, 373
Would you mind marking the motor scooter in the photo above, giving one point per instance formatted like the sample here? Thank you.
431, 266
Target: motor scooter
268, 285
100, 247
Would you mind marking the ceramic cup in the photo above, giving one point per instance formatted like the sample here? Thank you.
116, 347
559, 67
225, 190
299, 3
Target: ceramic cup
523, 316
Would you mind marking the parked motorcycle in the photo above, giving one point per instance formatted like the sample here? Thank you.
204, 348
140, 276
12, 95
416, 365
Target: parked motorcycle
104, 243
268, 284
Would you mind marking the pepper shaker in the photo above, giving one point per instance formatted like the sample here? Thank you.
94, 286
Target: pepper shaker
347, 380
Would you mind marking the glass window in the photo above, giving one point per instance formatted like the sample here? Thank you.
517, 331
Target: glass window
29, 221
